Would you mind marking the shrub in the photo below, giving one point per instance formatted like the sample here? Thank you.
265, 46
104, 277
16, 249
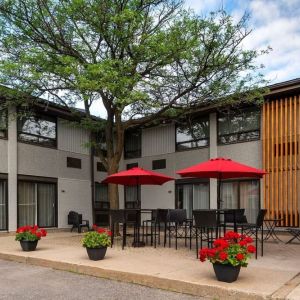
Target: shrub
30, 233
98, 238
232, 249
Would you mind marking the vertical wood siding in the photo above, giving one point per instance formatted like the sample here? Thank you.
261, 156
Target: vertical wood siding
158, 140
281, 159
71, 138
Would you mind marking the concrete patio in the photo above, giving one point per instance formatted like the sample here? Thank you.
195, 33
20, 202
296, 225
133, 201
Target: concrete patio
275, 276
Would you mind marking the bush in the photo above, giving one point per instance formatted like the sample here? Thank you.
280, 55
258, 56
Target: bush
98, 238
30, 233
233, 249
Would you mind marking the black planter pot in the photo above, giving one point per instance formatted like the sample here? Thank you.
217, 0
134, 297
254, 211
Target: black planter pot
226, 273
96, 253
28, 245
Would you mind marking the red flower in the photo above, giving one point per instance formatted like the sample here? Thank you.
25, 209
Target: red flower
221, 243
239, 256
43, 232
243, 243
223, 256
33, 231
35, 227
108, 232
95, 227
38, 234
248, 240
231, 235
101, 230
251, 249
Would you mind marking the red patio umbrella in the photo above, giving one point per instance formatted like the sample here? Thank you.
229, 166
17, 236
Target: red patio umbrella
221, 168
137, 176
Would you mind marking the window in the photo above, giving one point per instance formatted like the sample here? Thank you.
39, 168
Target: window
3, 123
100, 143
158, 164
191, 196
36, 204
101, 196
241, 126
3, 205
73, 162
37, 129
100, 167
132, 144
242, 194
194, 133
132, 194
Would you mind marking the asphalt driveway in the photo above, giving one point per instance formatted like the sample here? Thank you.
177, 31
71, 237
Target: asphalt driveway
20, 281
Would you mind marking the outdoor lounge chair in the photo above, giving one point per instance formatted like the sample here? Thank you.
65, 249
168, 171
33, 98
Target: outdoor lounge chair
75, 219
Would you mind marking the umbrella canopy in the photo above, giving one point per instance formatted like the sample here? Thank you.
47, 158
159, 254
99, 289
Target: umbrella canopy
221, 168
137, 176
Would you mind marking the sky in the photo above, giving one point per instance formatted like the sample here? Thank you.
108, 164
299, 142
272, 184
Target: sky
274, 23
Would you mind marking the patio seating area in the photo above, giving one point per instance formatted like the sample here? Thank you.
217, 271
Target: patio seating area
274, 275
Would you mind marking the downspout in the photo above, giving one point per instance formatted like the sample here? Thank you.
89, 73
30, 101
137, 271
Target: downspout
92, 176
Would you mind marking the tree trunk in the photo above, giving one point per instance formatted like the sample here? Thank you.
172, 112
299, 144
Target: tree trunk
113, 192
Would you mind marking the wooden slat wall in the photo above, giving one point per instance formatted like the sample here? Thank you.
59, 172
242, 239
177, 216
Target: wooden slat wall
281, 159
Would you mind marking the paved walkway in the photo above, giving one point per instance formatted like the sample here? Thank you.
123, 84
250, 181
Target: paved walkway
276, 274
20, 281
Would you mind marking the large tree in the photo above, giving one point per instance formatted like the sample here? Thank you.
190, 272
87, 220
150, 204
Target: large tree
144, 60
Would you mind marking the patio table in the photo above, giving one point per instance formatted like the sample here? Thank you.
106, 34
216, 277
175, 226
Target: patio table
271, 224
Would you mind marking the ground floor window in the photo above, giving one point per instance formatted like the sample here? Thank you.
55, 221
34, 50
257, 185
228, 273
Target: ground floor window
36, 204
191, 196
242, 194
3, 205
101, 196
132, 195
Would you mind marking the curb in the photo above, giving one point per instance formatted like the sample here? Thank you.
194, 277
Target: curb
145, 280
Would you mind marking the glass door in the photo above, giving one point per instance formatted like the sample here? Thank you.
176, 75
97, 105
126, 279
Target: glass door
191, 196
3, 206
36, 204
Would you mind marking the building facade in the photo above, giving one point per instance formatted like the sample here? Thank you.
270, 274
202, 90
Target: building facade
47, 170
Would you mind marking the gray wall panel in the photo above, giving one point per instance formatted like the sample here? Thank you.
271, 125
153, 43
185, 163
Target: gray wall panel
71, 139
158, 140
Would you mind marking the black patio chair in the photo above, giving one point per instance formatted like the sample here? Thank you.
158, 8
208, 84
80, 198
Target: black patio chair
252, 229
149, 223
117, 217
75, 219
205, 221
179, 226
233, 217
161, 218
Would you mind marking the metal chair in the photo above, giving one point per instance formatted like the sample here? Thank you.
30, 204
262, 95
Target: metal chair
161, 218
117, 216
179, 226
146, 224
206, 222
234, 217
252, 230
75, 219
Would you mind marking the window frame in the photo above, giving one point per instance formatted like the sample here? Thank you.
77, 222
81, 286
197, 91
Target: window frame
5, 137
75, 160
5, 180
239, 188
139, 151
219, 143
206, 116
39, 115
101, 207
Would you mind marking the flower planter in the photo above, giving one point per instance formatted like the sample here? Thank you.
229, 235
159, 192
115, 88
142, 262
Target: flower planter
226, 273
96, 253
28, 245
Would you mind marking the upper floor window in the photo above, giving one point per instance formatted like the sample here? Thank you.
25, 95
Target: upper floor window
194, 133
37, 129
3, 123
239, 126
133, 144
101, 196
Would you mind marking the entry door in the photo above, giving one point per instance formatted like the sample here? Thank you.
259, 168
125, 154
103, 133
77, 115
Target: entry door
3, 206
36, 204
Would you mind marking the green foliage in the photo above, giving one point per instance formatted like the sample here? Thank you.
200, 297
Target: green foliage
26, 236
94, 239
